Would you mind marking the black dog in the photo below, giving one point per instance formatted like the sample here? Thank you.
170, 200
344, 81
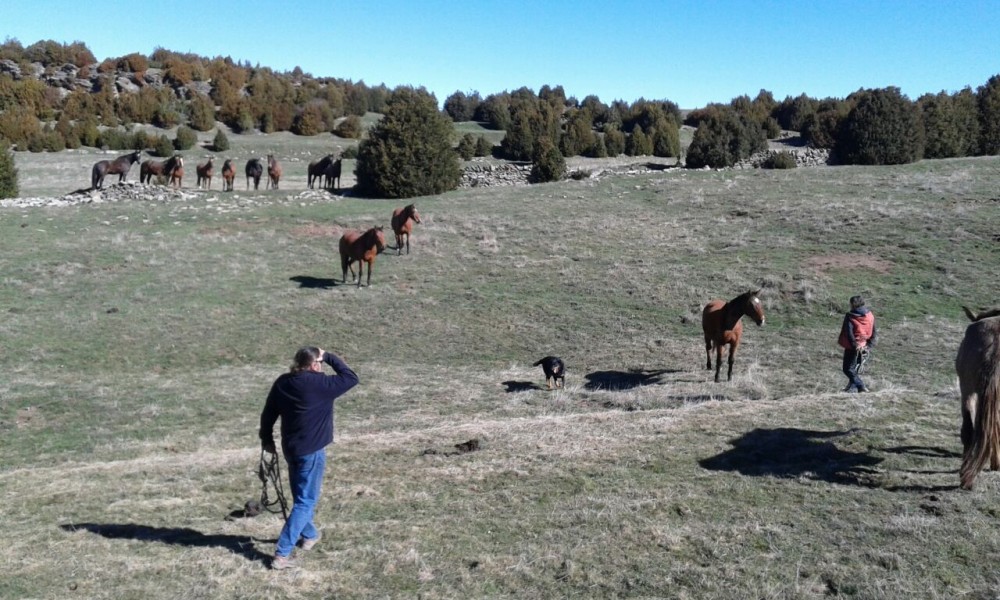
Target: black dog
554, 369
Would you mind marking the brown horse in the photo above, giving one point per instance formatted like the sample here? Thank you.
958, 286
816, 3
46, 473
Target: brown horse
119, 166
254, 170
402, 226
317, 168
273, 172
332, 173
177, 174
720, 321
978, 368
160, 168
360, 247
228, 175
205, 171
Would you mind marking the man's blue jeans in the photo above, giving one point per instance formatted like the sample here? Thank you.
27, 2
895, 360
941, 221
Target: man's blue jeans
305, 475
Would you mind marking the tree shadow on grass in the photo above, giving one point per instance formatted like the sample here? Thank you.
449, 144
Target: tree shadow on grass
625, 380
793, 453
240, 545
312, 283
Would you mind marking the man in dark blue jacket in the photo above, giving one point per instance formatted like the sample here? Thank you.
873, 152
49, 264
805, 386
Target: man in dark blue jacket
303, 398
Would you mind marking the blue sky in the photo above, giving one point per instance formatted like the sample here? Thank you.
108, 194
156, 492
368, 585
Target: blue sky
690, 52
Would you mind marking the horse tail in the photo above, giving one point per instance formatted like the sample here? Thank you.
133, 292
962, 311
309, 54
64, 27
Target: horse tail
986, 437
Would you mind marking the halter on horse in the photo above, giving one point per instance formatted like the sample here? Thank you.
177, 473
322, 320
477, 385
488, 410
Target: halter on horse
720, 321
273, 171
160, 168
205, 171
254, 170
363, 248
402, 226
120, 166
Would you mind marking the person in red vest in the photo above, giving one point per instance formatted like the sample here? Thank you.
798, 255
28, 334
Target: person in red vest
857, 333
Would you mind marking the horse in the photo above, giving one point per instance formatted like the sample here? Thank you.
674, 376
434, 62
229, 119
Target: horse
401, 226
205, 171
360, 247
332, 173
254, 170
177, 174
318, 168
119, 166
228, 175
720, 321
273, 171
978, 368
160, 168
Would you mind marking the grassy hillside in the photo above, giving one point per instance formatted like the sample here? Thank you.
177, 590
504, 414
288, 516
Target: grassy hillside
140, 338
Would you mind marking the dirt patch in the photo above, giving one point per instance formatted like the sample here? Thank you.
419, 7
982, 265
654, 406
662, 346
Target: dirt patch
828, 262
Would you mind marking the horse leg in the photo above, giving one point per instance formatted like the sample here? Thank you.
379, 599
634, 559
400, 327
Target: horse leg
407, 243
718, 361
732, 359
969, 401
399, 244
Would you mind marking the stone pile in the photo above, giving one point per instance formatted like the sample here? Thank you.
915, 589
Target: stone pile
494, 175
804, 157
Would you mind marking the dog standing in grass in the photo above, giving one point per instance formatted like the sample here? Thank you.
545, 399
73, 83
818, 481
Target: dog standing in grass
555, 371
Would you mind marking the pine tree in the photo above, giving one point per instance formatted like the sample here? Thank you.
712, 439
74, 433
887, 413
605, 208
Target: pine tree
8, 172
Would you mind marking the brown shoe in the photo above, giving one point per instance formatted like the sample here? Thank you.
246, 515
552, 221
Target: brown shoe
280, 563
308, 544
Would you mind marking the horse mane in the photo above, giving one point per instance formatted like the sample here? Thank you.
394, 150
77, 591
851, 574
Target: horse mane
978, 366
986, 314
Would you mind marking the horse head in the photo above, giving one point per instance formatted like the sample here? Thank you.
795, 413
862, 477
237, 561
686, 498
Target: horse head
379, 238
753, 307
412, 211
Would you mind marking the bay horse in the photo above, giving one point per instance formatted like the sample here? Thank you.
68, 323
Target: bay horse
332, 173
160, 168
254, 170
273, 172
228, 175
361, 248
205, 171
177, 174
317, 169
401, 226
978, 368
721, 323
119, 166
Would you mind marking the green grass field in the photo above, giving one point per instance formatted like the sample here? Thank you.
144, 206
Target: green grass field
140, 338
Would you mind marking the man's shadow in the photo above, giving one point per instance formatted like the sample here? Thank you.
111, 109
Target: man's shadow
240, 545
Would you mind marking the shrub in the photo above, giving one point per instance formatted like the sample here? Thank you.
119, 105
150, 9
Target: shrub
484, 147
467, 146
780, 160
350, 152
201, 113
308, 122
883, 128
350, 128
186, 138
598, 150
638, 144
163, 147
220, 143
8, 172
724, 138
614, 141
549, 164
531, 120
408, 152
462, 107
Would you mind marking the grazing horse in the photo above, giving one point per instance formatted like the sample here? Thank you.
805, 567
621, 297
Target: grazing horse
401, 226
317, 169
360, 247
720, 321
160, 168
205, 171
254, 171
273, 172
332, 173
978, 368
228, 175
119, 166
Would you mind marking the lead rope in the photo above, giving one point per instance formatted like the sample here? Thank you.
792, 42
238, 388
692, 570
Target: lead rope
270, 471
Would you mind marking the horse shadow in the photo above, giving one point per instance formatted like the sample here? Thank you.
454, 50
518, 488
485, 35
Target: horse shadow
313, 283
625, 380
241, 545
520, 386
793, 453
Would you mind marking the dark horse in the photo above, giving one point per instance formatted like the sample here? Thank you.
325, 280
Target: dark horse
332, 174
228, 175
360, 247
160, 168
205, 171
119, 166
978, 368
254, 170
402, 227
273, 171
720, 321
317, 169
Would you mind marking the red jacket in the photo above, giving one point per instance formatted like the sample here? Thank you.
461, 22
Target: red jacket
858, 328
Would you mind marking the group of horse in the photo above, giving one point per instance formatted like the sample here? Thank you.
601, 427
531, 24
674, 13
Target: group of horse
171, 171
362, 247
